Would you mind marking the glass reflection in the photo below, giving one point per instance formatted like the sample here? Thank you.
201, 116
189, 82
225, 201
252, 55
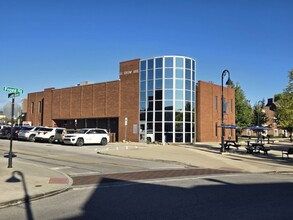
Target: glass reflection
158, 105
168, 83
143, 75
158, 116
187, 137
169, 62
142, 106
187, 63
179, 105
159, 84
142, 85
179, 116
188, 95
150, 74
168, 94
150, 106
168, 105
178, 137
179, 62
168, 127
169, 73
188, 74
179, 73
149, 116
168, 116
150, 85
179, 84
187, 106
188, 85
159, 62
179, 94
142, 116
143, 96
150, 64
159, 74
150, 95
143, 65
159, 94
158, 137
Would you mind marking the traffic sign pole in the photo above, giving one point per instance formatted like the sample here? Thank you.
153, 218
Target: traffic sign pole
11, 135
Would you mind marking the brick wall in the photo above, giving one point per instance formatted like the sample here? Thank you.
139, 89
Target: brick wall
208, 111
129, 103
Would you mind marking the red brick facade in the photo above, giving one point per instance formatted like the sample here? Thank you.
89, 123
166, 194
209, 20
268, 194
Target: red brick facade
107, 104
209, 114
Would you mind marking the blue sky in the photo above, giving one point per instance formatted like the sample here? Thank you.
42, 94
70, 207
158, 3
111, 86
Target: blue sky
59, 43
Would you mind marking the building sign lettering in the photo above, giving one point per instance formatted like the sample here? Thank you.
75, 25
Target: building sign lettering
129, 72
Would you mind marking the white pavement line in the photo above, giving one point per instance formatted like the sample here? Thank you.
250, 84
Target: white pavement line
84, 173
59, 168
167, 168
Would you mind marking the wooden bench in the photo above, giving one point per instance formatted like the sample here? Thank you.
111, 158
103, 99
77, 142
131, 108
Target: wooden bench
287, 152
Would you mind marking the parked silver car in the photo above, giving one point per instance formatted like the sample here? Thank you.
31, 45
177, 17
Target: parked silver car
28, 133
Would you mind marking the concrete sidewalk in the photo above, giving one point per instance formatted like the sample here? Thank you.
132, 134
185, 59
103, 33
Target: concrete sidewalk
203, 155
26, 181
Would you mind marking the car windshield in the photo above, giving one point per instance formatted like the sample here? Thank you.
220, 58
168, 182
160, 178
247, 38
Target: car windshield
45, 129
26, 128
82, 131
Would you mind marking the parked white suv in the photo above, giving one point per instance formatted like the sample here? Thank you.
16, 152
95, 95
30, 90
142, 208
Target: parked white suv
48, 134
87, 136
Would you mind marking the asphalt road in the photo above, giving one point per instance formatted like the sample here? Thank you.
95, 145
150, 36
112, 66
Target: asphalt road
225, 196
204, 196
78, 161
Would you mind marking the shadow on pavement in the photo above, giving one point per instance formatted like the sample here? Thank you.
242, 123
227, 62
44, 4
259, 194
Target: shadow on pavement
218, 200
15, 179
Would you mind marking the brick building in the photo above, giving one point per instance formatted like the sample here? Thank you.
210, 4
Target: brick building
153, 98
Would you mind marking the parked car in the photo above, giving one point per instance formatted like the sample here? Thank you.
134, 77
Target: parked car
88, 136
28, 133
51, 135
6, 132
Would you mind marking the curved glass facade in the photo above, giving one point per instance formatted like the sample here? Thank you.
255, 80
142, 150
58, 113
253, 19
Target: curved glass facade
167, 99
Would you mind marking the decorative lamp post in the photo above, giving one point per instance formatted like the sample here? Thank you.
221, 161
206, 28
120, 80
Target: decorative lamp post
229, 82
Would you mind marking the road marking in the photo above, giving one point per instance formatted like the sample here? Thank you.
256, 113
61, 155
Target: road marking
60, 168
84, 173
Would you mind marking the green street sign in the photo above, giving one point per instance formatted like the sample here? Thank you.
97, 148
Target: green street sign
13, 95
13, 90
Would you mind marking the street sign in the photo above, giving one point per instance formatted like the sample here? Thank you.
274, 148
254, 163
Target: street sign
12, 90
13, 95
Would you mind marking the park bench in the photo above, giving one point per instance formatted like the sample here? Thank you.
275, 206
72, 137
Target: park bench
256, 148
287, 152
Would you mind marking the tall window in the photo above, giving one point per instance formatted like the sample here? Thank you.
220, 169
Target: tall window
32, 107
167, 101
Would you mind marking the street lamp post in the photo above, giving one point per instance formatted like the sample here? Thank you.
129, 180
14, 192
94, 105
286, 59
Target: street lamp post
229, 82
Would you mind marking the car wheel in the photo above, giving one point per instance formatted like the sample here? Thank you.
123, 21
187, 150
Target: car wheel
104, 141
79, 142
51, 139
8, 136
31, 138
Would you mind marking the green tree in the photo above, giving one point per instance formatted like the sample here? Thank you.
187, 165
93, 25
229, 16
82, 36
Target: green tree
243, 110
284, 111
259, 116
